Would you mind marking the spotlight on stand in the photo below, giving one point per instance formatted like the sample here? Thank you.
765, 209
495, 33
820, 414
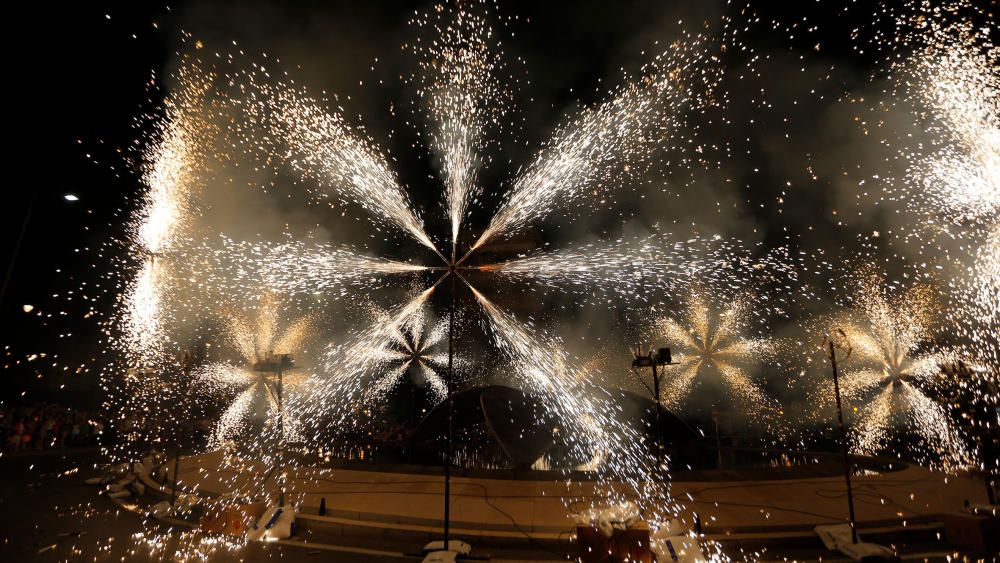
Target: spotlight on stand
273, 363
150, 255
661, 357
277, 364
653, 359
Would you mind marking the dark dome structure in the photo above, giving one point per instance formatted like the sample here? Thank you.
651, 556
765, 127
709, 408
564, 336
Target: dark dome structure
502, 427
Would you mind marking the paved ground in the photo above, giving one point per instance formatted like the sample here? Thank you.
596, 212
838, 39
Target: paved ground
541, 506
47, 513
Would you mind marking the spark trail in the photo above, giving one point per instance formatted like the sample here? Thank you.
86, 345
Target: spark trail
588, 153
412, 344
464, 98
631, 268
322, 146
295, 267
257, 338
940, 68
348, 366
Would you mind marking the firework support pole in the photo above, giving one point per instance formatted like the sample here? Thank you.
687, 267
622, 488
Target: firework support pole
186, 371
281, 436
177, 468
448, 446
659, 417
718, 441
843, 443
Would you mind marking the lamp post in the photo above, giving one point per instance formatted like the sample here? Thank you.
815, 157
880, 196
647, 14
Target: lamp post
716, 415
833, 347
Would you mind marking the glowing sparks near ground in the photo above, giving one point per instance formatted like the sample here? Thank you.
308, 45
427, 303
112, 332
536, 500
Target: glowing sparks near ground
596, 429
542, 370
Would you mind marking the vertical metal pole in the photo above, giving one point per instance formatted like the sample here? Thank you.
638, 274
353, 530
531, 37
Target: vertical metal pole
989, 450
177, 469
659, 408
718, 440
447, 383
281, 436
656, 390
843, 441
186, 372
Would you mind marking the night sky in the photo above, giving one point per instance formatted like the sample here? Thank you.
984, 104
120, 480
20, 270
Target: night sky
81, 74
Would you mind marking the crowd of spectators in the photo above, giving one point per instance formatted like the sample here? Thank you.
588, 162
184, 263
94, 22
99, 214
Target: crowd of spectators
44, 426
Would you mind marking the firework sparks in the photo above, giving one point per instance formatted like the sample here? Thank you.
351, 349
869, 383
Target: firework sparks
594, 153
632, 267
322, 146
298, 268
459, 82
960, 174
168, 178
887, 334
257, 339
940, 66
714, 343
602, 146
982, 294
412, 344
348, 367
545, 370
598, 149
